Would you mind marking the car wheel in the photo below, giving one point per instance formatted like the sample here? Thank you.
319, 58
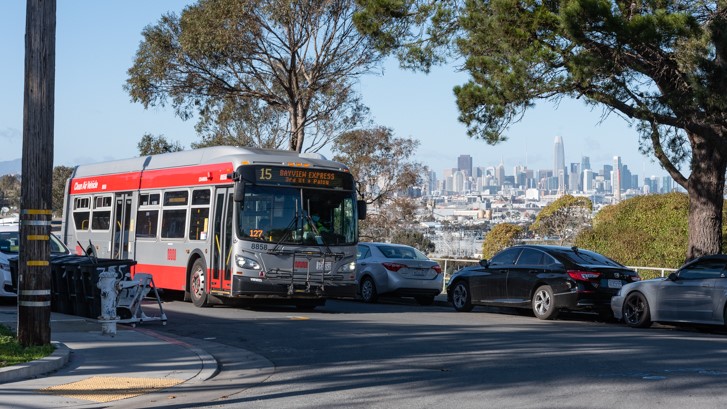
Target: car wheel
197, 290
368, 290
544, 303
636, 311
461, 298
425, 299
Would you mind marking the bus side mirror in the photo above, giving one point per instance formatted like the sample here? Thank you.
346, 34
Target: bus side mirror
361, 209
239, 192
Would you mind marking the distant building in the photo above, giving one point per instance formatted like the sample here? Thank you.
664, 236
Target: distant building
464, 163
559, 163
588, 181
574, 179
616, 178
585, 163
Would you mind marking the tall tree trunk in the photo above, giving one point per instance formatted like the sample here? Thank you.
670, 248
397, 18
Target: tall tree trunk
706, 199
297, 129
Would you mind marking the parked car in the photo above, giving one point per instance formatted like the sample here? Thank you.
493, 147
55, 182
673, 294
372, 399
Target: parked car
397, 270
546, 279
695, 293
9, 247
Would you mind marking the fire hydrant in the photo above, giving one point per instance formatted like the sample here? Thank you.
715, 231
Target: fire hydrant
107, 283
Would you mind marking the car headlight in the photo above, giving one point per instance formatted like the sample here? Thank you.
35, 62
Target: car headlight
247, 263
4, 266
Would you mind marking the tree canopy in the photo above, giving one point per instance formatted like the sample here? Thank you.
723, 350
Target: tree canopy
154, 145
501, 236
381, 163
658, 64
384, 168
564, 218
58, 189
247, 66
415, 239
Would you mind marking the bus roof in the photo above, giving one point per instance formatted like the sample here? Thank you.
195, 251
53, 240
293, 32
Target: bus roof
214, 154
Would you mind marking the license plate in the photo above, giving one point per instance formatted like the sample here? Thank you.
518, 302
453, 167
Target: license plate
320, 265
615, 284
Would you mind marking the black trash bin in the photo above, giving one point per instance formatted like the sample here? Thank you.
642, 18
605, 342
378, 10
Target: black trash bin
74, 282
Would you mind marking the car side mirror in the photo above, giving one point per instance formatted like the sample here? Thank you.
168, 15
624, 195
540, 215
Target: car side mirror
672, 277
484, 263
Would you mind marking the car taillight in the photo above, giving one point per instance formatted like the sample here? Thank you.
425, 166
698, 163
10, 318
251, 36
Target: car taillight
584, 275
393, 266
438, 269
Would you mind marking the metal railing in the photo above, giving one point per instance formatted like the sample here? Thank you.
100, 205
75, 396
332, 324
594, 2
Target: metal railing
652, 272
450, 265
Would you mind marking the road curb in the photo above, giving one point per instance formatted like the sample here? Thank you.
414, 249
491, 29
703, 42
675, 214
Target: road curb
32, 369
210, 366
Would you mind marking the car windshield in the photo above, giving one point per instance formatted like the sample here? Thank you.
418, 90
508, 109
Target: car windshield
588, 258
10, 243
402, 252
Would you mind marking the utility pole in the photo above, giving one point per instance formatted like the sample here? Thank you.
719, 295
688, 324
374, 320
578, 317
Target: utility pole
34, 279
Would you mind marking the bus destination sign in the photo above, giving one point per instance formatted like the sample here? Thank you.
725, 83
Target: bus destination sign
303, 177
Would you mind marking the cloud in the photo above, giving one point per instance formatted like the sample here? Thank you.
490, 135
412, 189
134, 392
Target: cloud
11, 134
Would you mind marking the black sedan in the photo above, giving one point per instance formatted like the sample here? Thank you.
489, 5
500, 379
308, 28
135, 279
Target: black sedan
547, 279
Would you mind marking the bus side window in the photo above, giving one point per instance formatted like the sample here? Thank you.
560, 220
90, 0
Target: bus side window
200, 213
146, 223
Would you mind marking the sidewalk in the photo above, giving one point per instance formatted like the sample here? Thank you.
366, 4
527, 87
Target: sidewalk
137, 367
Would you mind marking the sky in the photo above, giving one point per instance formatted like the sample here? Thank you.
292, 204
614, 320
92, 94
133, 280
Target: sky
95, 120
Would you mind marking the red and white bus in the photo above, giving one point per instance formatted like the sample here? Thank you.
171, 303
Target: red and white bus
223, 222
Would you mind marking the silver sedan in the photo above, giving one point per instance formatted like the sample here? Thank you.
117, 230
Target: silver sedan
396, 269
696, 293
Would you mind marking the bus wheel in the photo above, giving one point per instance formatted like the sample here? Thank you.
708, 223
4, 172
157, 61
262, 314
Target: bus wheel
197, 291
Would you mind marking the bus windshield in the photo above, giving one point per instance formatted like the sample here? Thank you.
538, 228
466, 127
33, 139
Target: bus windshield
289, 215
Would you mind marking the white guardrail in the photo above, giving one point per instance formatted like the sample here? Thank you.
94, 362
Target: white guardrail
450, 265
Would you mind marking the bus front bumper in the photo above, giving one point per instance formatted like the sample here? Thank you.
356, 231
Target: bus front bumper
251, 287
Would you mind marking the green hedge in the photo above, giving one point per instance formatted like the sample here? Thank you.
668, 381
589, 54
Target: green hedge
647, 231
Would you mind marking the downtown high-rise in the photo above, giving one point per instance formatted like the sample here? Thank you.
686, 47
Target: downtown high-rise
559, 170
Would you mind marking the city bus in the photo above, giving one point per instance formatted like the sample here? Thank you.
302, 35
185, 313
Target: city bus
223, 223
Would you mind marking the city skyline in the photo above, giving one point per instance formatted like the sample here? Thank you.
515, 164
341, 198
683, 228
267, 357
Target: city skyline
614, 177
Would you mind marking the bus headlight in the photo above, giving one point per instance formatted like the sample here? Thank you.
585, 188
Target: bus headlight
247, 263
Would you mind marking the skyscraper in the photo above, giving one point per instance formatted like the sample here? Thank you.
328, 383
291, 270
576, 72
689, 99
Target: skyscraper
559, 163
616, 178
464, 162
585, 162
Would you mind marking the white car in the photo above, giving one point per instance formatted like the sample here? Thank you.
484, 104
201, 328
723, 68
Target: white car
9, 246
398, 270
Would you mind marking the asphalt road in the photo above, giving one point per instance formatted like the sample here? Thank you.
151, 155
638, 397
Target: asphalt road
401, 355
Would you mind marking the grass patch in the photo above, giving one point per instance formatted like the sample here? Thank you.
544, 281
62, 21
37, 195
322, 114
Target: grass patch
12, 353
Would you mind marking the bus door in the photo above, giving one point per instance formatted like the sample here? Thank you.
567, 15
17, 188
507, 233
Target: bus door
120, 229
221, 279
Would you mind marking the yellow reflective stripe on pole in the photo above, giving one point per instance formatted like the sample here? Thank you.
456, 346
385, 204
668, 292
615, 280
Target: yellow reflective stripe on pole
36, 211
37, 263
41, 237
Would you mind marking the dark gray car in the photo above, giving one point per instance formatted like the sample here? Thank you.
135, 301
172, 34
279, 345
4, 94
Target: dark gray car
695, 293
